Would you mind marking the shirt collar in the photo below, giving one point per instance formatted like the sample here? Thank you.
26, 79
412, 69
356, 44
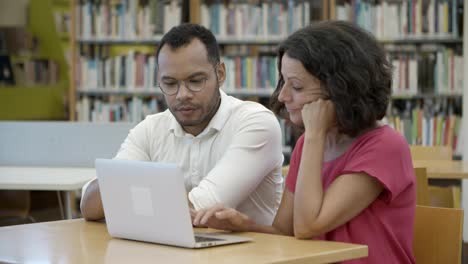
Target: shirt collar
216, 124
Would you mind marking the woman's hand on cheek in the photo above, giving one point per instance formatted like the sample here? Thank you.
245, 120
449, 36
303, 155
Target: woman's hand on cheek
319, 116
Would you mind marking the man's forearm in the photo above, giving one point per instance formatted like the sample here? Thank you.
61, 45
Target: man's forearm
91, 206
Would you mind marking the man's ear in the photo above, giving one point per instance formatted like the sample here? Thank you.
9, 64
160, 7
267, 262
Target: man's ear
221, 73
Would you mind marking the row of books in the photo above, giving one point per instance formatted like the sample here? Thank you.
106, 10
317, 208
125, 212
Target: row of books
396, 19
251, 73
135, 70
429, 122
134, 109
126, 19
261, 19
439, 72
36, 72
430, 131
18, 41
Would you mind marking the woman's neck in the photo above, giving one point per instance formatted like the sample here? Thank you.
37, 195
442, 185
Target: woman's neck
338, 143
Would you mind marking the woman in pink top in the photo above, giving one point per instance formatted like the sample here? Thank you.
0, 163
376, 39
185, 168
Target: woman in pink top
350, 178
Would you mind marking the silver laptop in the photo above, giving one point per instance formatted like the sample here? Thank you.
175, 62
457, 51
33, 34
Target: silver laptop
147, 201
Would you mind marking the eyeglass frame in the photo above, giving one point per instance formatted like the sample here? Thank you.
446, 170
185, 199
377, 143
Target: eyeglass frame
188, 86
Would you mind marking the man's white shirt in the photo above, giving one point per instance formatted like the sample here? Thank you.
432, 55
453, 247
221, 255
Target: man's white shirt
235, 161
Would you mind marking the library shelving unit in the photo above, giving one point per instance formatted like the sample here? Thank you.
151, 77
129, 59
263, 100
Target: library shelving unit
113, 44
424, 40
103, 28
97, 44
27, 99
248, 33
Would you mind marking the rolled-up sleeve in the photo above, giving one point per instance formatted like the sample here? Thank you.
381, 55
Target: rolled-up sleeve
254, 154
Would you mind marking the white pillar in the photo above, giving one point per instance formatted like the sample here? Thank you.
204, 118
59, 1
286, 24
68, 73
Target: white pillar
465, 120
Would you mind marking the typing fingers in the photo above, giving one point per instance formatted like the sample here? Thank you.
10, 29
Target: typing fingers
210, 212
200, 214
235, 219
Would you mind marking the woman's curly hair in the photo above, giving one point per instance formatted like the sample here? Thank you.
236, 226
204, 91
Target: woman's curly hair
352, 67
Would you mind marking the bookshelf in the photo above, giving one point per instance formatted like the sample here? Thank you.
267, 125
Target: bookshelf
40, 96
424, 40
118, 35
426, 51
103, 38
98, 95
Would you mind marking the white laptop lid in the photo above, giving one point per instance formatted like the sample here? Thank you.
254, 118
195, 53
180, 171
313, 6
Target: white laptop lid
145, 201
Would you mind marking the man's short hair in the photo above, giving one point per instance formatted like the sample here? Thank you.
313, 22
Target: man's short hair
183, 34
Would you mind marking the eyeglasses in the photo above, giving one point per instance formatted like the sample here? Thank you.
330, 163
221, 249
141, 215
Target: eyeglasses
172, 87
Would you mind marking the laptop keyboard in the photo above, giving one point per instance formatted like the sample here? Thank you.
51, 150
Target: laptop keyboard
206, 239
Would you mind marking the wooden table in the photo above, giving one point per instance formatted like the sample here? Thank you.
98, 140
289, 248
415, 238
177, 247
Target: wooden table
444, 169
65, 179
78, 241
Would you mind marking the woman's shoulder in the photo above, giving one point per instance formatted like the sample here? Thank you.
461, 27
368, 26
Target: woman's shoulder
383, 134
383, 140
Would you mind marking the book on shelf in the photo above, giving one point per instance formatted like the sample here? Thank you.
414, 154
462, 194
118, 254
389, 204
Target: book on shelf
400, 19
126, 19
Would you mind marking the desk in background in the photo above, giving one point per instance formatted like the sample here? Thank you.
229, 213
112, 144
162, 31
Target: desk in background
55, 156
78, 241
443, 169
47, 179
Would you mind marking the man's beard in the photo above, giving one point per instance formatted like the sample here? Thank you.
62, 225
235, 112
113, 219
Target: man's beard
212, 109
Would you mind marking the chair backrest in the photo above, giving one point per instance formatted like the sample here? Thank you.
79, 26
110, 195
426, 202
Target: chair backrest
438, 235
59, 144
445, 196
422, 187
431, 153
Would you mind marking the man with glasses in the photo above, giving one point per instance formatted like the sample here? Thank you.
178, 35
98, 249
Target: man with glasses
229, 150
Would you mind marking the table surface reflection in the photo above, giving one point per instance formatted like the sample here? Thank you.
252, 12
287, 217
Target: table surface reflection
79, 241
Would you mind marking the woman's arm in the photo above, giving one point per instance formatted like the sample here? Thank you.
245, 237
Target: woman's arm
315, 211
219, 217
